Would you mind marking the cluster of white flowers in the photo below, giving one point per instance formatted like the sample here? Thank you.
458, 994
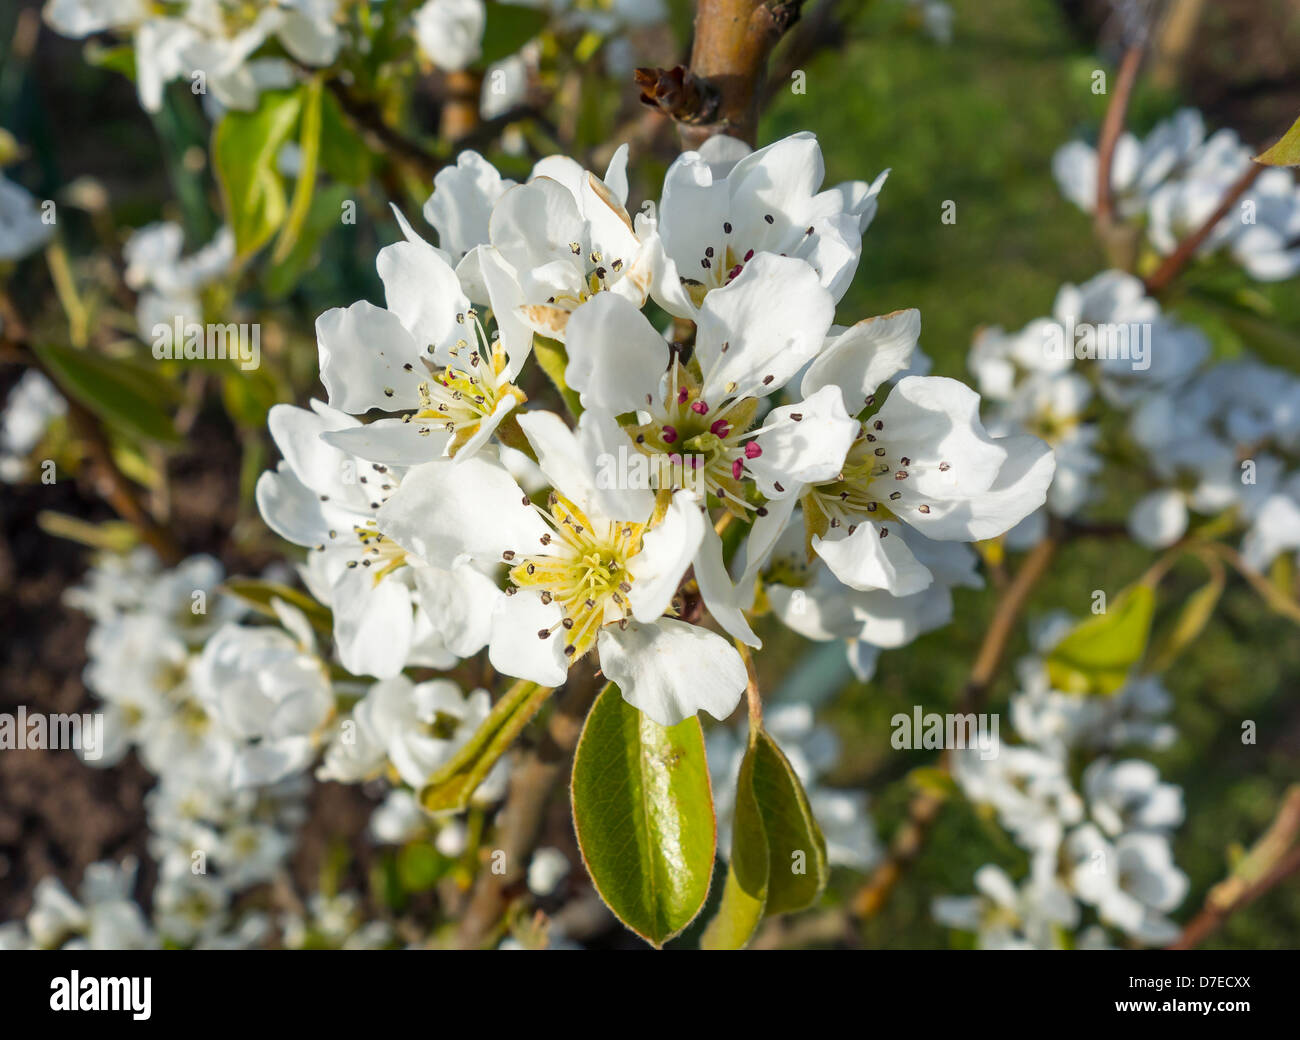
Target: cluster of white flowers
169, 285
231, 716
1226, 440
813, 751
1104, 844
106, 917
1177, 178
156, 654
230, 51
1217, 436
1041, 384
213, 44
430, 540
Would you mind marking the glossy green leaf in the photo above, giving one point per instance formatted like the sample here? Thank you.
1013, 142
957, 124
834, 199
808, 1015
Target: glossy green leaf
127, 395
244, 150
452, 786
1097, 655
744, 897
643, 812
258, 594
1286, 152
778, 855
796, 849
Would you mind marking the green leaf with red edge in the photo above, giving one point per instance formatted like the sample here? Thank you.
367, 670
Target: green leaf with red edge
643, 812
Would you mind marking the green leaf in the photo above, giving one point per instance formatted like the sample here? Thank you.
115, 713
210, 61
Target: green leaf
126, 394
643, 812
1286, 152
343, 154
1192, 619
258, 595
244, 150
1098, 654
744, 896
778, 855
933, 780
452, 786
115, 536
309, 153
120, 58
796, 849
509, 27
326, 210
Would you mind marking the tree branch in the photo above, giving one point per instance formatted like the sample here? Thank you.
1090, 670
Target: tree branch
720, 92
1178, 259
1275, 857
1112, 128
519, 824
923, 809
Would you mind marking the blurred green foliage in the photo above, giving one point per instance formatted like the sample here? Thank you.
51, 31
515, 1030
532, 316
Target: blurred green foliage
977, 123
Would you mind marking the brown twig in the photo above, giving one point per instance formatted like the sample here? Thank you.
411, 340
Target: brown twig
678, 93
1275, 857
733, 41
379, 136
923, 809
519, 824
1178, 259
1112, 128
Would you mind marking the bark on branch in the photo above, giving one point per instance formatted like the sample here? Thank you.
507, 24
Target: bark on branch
721, 91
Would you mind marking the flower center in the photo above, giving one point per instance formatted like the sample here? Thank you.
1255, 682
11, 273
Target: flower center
582, 568
722, 262
462, 395
869, 485
706, 447
596, 273
378, 552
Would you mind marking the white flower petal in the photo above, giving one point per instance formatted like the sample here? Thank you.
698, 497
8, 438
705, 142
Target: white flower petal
1159, 518
863, 356
421, 288
516, 647
874, 556
671, 670
769, 322
617, 360
363, 349
446, 510
806, 450
372, 623
666, 552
